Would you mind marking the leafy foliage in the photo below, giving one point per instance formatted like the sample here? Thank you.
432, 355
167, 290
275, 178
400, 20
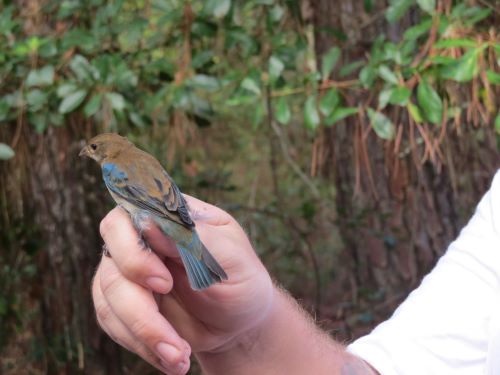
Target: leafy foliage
136, 63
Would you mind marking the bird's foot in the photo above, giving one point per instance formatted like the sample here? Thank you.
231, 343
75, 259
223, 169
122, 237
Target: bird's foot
143, 244
105, 251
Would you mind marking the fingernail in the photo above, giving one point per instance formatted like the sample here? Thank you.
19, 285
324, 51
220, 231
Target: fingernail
158, 284
181, 367
168, 353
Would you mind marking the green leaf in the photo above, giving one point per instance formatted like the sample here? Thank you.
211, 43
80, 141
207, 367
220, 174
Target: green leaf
6, 152
340, 113
329, 102
453, 43
382, 126
38, 121
400, 96
497, 123
465, 68
397, 9
201, 58
218, 8
41, 77
82, 39
329, 61
116, 100
350, 68
311, 115
392, 52
36, 99
430, 102
204, 82
415, 113
283, 114
387, 75
48, 48
137, 120
276, 13
237, 100
427, 6
443, 60
384, 97
276, 67
476, 14
493, 77
65, 89
34, 43
251, 85
418, 30
14, 100
56, 119
82, 69
93, 105
367, 76
72, 101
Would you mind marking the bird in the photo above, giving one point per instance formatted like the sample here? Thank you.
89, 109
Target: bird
139, 184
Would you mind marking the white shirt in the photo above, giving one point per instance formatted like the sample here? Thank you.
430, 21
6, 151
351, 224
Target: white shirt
451, 323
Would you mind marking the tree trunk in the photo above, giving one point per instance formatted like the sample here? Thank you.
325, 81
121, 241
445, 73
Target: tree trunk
396, 213
48, 188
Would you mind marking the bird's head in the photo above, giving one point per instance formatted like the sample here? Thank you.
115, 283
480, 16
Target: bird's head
104, 146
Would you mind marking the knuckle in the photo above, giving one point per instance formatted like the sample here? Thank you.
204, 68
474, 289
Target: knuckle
106, 224
109, 282
130, 268
141, 329
103, 312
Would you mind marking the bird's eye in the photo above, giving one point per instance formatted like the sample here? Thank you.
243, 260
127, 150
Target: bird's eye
93, 146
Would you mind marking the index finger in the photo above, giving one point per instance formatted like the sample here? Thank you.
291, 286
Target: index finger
133, 261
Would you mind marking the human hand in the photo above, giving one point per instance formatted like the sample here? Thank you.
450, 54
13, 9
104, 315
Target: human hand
144, 302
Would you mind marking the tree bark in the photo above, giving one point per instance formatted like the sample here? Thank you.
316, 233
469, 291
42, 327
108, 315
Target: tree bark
49, 188
396, 213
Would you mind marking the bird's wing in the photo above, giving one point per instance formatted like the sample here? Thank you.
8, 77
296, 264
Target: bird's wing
154, 193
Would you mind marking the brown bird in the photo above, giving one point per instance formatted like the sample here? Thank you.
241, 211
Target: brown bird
139, 184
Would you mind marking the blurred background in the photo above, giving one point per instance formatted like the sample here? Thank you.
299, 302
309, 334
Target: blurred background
351, 140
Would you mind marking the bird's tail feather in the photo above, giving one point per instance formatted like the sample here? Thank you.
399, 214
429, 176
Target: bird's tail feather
201, 272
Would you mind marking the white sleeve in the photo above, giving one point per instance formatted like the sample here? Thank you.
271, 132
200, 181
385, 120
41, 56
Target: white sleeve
451, 323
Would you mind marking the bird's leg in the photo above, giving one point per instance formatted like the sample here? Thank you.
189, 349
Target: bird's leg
140, 224
142, 241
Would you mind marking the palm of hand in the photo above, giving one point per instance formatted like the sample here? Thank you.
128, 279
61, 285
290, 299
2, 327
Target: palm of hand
211, 319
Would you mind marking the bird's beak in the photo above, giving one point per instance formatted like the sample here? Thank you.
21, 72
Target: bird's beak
84, 151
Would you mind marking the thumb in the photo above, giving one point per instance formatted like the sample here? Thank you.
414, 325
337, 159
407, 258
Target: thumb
207, 213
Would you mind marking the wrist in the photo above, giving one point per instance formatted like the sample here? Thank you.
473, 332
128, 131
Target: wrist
244, 346
285, 341
245, 339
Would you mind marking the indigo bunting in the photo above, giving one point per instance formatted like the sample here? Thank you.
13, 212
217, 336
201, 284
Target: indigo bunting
138, 183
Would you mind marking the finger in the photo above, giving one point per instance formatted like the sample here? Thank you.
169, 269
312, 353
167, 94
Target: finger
134, 262
119, 333
143, 319
203, 211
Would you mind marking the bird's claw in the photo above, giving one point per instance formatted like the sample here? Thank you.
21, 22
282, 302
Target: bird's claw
142, 243
105, 251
